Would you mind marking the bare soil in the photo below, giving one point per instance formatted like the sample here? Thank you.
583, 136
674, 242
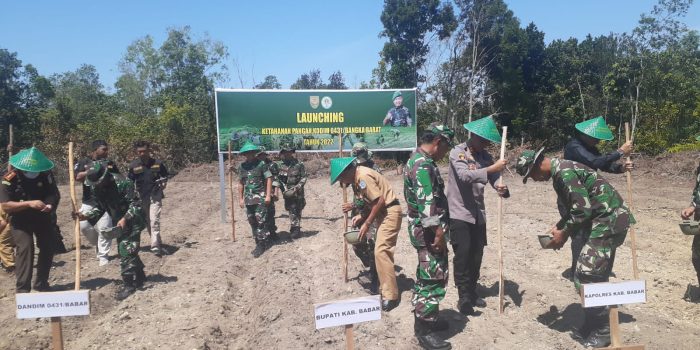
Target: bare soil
210, 293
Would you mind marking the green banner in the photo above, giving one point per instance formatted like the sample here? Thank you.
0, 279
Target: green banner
312, 120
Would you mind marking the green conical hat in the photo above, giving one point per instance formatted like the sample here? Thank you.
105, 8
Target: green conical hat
31, 160
486, 128
595, 128
249, 146
338, 165
697, 138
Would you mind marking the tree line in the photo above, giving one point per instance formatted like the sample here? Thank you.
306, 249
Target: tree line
469, 58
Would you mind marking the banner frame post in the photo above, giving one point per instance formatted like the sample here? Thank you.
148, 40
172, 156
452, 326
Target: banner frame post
222, 188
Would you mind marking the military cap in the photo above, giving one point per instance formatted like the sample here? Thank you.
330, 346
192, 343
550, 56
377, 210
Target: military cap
96, 173
396, 94
442, 130
249, 147
527, 160
360, 152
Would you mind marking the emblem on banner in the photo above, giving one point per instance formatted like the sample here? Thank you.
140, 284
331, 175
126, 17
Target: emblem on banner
326, 102
313, 101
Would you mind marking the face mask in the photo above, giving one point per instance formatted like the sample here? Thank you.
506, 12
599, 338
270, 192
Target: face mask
31, 175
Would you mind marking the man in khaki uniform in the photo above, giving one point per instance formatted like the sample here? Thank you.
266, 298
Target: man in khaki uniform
7, 254
384, 209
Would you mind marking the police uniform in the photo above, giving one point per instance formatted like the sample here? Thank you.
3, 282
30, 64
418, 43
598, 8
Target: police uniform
149, 178
27, 223
93, 229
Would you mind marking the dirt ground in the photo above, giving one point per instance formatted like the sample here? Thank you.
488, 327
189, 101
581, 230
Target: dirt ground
210, 293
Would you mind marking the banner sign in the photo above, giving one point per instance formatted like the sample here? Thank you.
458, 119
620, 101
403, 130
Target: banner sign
604, 294
53, 304
349, 311
311, 120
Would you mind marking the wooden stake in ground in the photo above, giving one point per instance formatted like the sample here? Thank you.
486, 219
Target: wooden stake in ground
74, 201
500, 228
9, 148
633, 238
345, 220
233, 198
349, 337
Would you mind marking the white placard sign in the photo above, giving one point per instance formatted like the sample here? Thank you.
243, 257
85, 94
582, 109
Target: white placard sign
350, 311
604, 294
53, 304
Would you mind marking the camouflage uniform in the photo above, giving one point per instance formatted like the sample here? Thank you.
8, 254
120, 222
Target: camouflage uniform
399, 116
275, 171
120, 200
427, 209
696, 240
292, 177
591, 200
253, 176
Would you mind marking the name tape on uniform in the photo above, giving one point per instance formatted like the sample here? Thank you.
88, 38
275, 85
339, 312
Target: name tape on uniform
350, 311
604, 294
53, 304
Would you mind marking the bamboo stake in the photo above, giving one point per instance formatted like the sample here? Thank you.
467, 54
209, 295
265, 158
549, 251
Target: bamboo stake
74, 201
233, 198
345, 217
56, 333
9, 148
349, 337
500, 228
633, 238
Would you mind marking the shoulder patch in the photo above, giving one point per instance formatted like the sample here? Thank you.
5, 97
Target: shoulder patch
138, 170
362, 184
9, 176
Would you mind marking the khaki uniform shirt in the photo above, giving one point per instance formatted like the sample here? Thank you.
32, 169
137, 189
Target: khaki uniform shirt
370, 185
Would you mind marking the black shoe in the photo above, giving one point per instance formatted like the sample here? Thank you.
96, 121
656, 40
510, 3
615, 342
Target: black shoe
124, 292
440, 325
580, 334
259, 249
481, 303
139, 279
60, 248
598, 339
427, 338
274, 237
296, 233
388, 305
465, 308
568, 274
42, 287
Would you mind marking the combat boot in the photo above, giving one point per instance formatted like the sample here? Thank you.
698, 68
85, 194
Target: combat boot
599, 338
440, 325
598, 323
427, 338
259, 249
139, 279
127, 289
296, 233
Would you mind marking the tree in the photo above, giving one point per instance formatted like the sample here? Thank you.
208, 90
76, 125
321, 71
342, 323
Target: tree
311, 80
270, 82
406, 24
336, 81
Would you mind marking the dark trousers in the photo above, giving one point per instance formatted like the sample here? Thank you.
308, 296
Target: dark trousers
468, 241
23, 236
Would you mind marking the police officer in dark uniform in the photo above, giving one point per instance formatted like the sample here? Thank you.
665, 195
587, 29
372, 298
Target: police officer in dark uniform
150, 177
28, 194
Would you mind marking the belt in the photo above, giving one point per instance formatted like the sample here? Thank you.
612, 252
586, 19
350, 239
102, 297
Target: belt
393, 203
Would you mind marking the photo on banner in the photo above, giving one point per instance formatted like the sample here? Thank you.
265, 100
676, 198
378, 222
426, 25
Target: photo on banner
311, 120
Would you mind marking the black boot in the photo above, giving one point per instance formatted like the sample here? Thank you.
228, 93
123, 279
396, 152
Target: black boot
140, 278
259, 249
580, 334
127, 289
599, 325
427, 338
440, 325
465, 307
295, 232
273, 236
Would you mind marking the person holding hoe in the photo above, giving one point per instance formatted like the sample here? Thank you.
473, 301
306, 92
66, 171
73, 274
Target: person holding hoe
593, 206
255, 194
381, 208
471, 168
292, 177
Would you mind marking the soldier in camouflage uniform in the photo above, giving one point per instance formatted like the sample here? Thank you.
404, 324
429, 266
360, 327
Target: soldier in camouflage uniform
255, 193
275, 171
691, 211
115, 194
428, 217
398, 115
292, 179
592, 203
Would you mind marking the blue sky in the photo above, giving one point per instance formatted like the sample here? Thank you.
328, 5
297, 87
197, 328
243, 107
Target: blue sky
283, 38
